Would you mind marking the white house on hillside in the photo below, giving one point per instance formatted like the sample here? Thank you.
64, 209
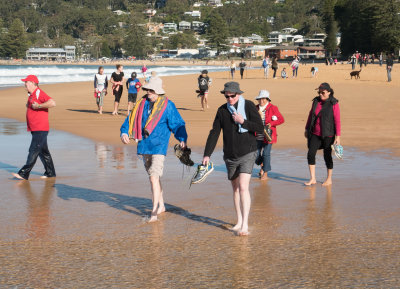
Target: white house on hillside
170, 27
289, 30
52, 54
184, 25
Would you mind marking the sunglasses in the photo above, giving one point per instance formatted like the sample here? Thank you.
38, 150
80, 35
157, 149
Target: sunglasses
322, 92
230, 95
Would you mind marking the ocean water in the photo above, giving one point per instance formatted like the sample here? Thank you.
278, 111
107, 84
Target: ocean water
11, 75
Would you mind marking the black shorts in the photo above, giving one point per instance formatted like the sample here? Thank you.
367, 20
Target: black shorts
132, 97
117, 94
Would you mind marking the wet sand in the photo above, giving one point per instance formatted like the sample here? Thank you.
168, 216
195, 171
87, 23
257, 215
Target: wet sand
369, 106
87, 228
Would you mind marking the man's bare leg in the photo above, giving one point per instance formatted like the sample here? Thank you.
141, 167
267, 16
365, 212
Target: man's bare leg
161, 206
236, 201
202, 102
328, 180
245, 201
206, 99
156, 191
312, 180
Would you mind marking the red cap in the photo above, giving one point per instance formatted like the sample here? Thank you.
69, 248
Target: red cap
32, 78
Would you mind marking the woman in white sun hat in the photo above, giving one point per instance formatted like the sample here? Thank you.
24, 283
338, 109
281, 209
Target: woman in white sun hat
271, 118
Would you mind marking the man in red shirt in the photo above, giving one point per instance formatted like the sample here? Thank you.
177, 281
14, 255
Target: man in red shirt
37, 120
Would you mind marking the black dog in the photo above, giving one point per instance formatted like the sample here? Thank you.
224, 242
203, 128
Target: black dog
356, 74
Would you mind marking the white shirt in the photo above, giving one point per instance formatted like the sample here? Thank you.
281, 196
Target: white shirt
101, 81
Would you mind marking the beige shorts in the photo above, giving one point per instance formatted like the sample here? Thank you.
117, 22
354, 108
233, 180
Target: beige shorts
154, 164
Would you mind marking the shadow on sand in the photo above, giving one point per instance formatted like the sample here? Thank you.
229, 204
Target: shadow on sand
13, 169
135, 205
183, 108
88, 111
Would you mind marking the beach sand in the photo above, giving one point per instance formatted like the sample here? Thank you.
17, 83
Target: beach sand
369, 106
87, 228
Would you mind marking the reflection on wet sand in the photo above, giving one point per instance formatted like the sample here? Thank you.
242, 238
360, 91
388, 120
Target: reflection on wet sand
38, 205
322, 238
87, 228
120, 156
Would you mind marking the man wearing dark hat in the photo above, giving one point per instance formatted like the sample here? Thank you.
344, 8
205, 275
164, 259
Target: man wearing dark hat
240, 121
204, 82
37, 119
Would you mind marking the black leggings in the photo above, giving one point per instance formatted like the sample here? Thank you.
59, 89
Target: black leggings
315, 143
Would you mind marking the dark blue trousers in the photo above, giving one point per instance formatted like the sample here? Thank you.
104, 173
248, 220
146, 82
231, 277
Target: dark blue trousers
39, 149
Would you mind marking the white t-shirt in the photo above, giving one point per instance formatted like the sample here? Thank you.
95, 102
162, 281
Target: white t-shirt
101, 81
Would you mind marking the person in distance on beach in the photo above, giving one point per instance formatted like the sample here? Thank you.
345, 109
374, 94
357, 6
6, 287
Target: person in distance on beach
37, 119
242, 67
133, 85
117, 79
204, 83
150, 123
240, 121
100, 88
322, 130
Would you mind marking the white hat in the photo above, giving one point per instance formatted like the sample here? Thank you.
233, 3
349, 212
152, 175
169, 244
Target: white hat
263, 94
155, 83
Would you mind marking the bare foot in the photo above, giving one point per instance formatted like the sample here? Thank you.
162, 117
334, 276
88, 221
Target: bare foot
153, 218
161, 210
243, 233
327, 183
237, 227
264, 177
310, 183
261, 172
17, 176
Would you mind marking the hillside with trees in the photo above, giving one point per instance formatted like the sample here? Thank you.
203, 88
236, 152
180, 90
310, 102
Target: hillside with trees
107, 28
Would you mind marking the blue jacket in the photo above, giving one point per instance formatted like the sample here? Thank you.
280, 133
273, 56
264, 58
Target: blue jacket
157, 142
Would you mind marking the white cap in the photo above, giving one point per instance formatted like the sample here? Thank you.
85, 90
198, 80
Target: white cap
263, 94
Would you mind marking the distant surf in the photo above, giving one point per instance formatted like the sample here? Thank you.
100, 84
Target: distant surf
11, 75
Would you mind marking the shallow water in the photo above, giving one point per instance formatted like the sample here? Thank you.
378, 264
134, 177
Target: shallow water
87, 228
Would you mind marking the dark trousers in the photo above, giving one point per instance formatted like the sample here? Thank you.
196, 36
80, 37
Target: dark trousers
274, 69
315, 143
241, 73
39, 149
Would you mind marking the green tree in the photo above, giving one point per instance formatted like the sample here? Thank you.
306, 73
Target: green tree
182, 40
137, 43
15, 41
386, 26
370, 26
2, 36
105, 49
217, 31
330, 26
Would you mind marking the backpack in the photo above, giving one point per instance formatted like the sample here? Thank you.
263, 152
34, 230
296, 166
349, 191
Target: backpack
265, 64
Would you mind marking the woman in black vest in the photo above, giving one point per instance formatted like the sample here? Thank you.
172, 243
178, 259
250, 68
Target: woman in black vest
322, 130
